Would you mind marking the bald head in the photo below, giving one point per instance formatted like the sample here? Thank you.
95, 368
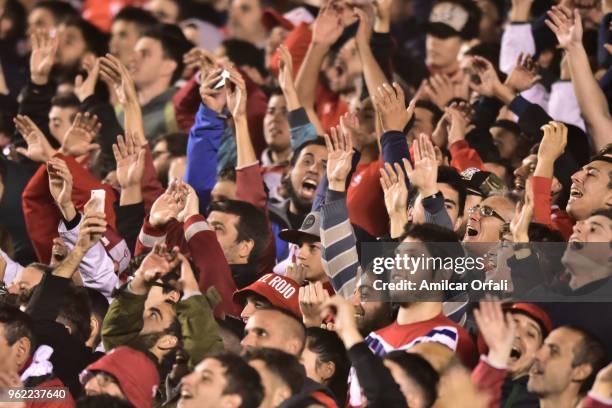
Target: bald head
274, 328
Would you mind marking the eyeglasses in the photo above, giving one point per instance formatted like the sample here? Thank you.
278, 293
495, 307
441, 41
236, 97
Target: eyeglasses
486, 211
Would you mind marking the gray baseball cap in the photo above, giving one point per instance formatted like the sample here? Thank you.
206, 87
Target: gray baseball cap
308, 231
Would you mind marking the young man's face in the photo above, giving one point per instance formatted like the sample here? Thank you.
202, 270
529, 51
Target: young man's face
442, 53
60, 120
161, 158
589, 247
276, 125
225, 226
12, 357
102, 383
370, 315
309, 257
244, 18
553, 371
527, 341
204, 387
72, 48
275, 390
124, 36
41, 18
506, 142
149, 64
591, 189
24, 283
158, 317
486, 229
254, 302
345, 70
266, 328
223, 190
451, 203
307, 173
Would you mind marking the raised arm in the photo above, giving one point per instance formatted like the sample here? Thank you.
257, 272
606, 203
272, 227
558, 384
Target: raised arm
373, 74
326, 30
339, 252
567, 26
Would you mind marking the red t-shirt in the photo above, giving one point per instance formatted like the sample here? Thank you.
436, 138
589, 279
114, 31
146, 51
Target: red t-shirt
365, 199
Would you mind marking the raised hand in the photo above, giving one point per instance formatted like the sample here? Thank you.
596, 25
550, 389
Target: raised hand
339, 158
424, 174
364, 31
199, 59
328, 27
519, 226
60, 183
84, 87
286, 80
158, 263
213, 98
497, 330
118, 78
390, 104
394, 188
345, 324
296, 273
192, 203
440, 90
484, 80
79, 136
39, 149
44, 49
524, 75
168, 205
130, 161
566, 25
458, 124
236, 94
553, 142
311, 298
91, 230
602, 387
187, 281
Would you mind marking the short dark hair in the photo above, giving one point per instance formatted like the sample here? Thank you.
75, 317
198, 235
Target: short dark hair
75, 312
61, 10
227, 174
16, 324
418, 370
241, 379
66, 100
139, 16
44, 268
96, 40
590, 350
102, 401
99, 304
429, 233
251, 224
329, 348
284, 366
319, 141
448, 175
174, 44
433, 108
604, 212
177, 143
245, 53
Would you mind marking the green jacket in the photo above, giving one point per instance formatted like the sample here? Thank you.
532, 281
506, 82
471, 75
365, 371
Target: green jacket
124, 321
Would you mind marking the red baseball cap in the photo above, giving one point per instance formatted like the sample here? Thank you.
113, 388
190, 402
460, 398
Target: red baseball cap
272, 18
280, 291
136, 373
534, 312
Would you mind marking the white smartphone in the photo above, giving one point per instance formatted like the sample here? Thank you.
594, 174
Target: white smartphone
100, 196
224, 75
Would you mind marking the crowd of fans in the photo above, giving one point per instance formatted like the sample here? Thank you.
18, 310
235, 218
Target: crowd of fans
186, 187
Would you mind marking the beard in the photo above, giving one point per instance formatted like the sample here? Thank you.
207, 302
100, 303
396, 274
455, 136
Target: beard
303, 206
146, 343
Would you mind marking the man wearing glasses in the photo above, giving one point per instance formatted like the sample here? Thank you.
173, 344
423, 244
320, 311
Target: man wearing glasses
488, 220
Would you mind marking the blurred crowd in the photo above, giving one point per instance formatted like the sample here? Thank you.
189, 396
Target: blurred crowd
187, 186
